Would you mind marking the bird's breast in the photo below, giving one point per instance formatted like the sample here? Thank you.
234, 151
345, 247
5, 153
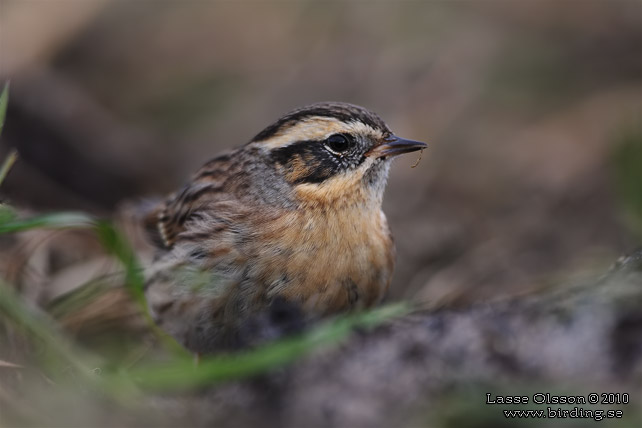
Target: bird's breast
327, 260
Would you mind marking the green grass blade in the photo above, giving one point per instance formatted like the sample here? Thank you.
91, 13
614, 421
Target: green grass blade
626, 161
182, 373
38, 326
48, 221
13, 155
4, 102
116, 244
8, 163
7, 214
60, 353
111, 239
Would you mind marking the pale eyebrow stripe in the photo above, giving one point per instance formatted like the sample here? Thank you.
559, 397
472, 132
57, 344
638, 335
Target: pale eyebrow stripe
316, 128
312, 128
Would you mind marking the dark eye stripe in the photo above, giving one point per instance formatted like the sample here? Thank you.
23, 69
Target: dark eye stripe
305, 162
311, 162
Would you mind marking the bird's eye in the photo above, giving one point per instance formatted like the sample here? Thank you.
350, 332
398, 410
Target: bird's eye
338, 143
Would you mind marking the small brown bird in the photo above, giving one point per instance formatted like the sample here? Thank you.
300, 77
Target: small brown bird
294, 216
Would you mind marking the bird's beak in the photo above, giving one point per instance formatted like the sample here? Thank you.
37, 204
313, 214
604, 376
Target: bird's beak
393, 146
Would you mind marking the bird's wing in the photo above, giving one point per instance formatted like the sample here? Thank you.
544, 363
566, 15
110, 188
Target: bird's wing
213, 188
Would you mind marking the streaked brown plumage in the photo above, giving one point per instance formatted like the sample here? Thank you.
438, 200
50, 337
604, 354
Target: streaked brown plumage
293, 216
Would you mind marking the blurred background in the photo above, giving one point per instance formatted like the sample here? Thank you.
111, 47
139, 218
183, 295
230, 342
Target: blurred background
533, 177
532, 110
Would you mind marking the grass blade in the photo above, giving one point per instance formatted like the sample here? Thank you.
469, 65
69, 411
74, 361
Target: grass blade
8, 163
182, 373
116, 244
61, 352
48, 221
13, 155
38, 326
7, 214
4, 102
626, 161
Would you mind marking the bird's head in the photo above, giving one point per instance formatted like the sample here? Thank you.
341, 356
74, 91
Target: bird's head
330, 152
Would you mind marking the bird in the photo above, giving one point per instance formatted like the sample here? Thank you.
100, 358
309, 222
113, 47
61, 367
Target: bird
289, 224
